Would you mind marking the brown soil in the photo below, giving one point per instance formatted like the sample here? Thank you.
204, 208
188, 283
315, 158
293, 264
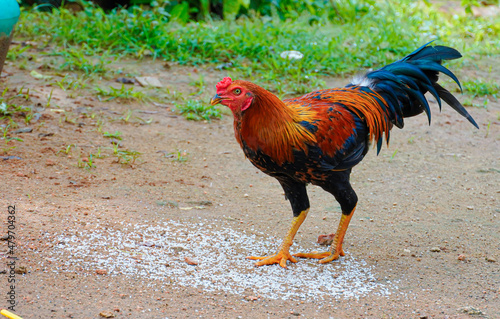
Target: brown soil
118, 239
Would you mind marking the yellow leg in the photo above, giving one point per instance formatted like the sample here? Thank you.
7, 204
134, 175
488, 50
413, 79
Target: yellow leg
283, 254
336, 249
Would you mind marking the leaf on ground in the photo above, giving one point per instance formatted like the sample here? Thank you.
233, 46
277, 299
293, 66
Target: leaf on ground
39, 76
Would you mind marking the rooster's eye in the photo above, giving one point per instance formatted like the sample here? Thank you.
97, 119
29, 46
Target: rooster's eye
237, 91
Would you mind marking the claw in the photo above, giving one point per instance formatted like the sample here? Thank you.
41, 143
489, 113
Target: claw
331, 257
313, 255
280, 258
324, 257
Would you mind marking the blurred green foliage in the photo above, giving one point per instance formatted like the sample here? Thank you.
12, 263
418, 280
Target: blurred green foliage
187, 10
335, 37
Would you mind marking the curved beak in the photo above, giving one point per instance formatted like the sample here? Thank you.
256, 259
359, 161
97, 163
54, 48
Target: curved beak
216, 99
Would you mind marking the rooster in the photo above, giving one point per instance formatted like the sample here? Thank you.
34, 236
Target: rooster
319, 137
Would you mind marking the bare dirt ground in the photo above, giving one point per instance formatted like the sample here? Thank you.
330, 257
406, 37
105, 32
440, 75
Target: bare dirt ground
113, 240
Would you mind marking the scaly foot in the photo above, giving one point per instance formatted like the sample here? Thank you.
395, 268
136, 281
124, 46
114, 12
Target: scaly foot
280, 258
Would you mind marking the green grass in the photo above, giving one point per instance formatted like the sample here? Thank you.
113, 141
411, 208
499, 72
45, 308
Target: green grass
121, 93
115, 135
5, 133
77, 59
479, 87
127, 157
197, 111
71, 83
357, 35
178, 156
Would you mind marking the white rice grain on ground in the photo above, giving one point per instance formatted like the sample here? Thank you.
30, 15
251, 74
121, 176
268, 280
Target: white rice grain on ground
158, 253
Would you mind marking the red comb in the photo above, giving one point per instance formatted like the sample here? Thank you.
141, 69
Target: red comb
224, 83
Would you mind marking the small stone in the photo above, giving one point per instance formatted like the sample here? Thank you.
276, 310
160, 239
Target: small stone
50, 162
21, 270
107, 314
246, 195
101, 272
461, 257
326, 239
470, 207
491, 259
471, 311
190, 261
251, 298
23, 130
6, 158
435, 249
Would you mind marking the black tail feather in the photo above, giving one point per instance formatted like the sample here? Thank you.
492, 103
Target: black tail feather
454, 103
403, 83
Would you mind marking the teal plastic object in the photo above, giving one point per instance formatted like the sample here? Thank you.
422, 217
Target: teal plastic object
9, 14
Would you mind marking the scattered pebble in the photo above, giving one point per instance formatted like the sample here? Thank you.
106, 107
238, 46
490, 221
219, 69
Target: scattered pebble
435, 249
50, 162
45, 134
106, 314
21, 270
5, 158
101, 272
126, 80
246, 195
149, 81
471, 311
23, 130
461, 257
190, 261
491, 259
251, 298
470, 207
326, 239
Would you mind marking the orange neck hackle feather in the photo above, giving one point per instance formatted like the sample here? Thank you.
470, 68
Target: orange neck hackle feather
272, 126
